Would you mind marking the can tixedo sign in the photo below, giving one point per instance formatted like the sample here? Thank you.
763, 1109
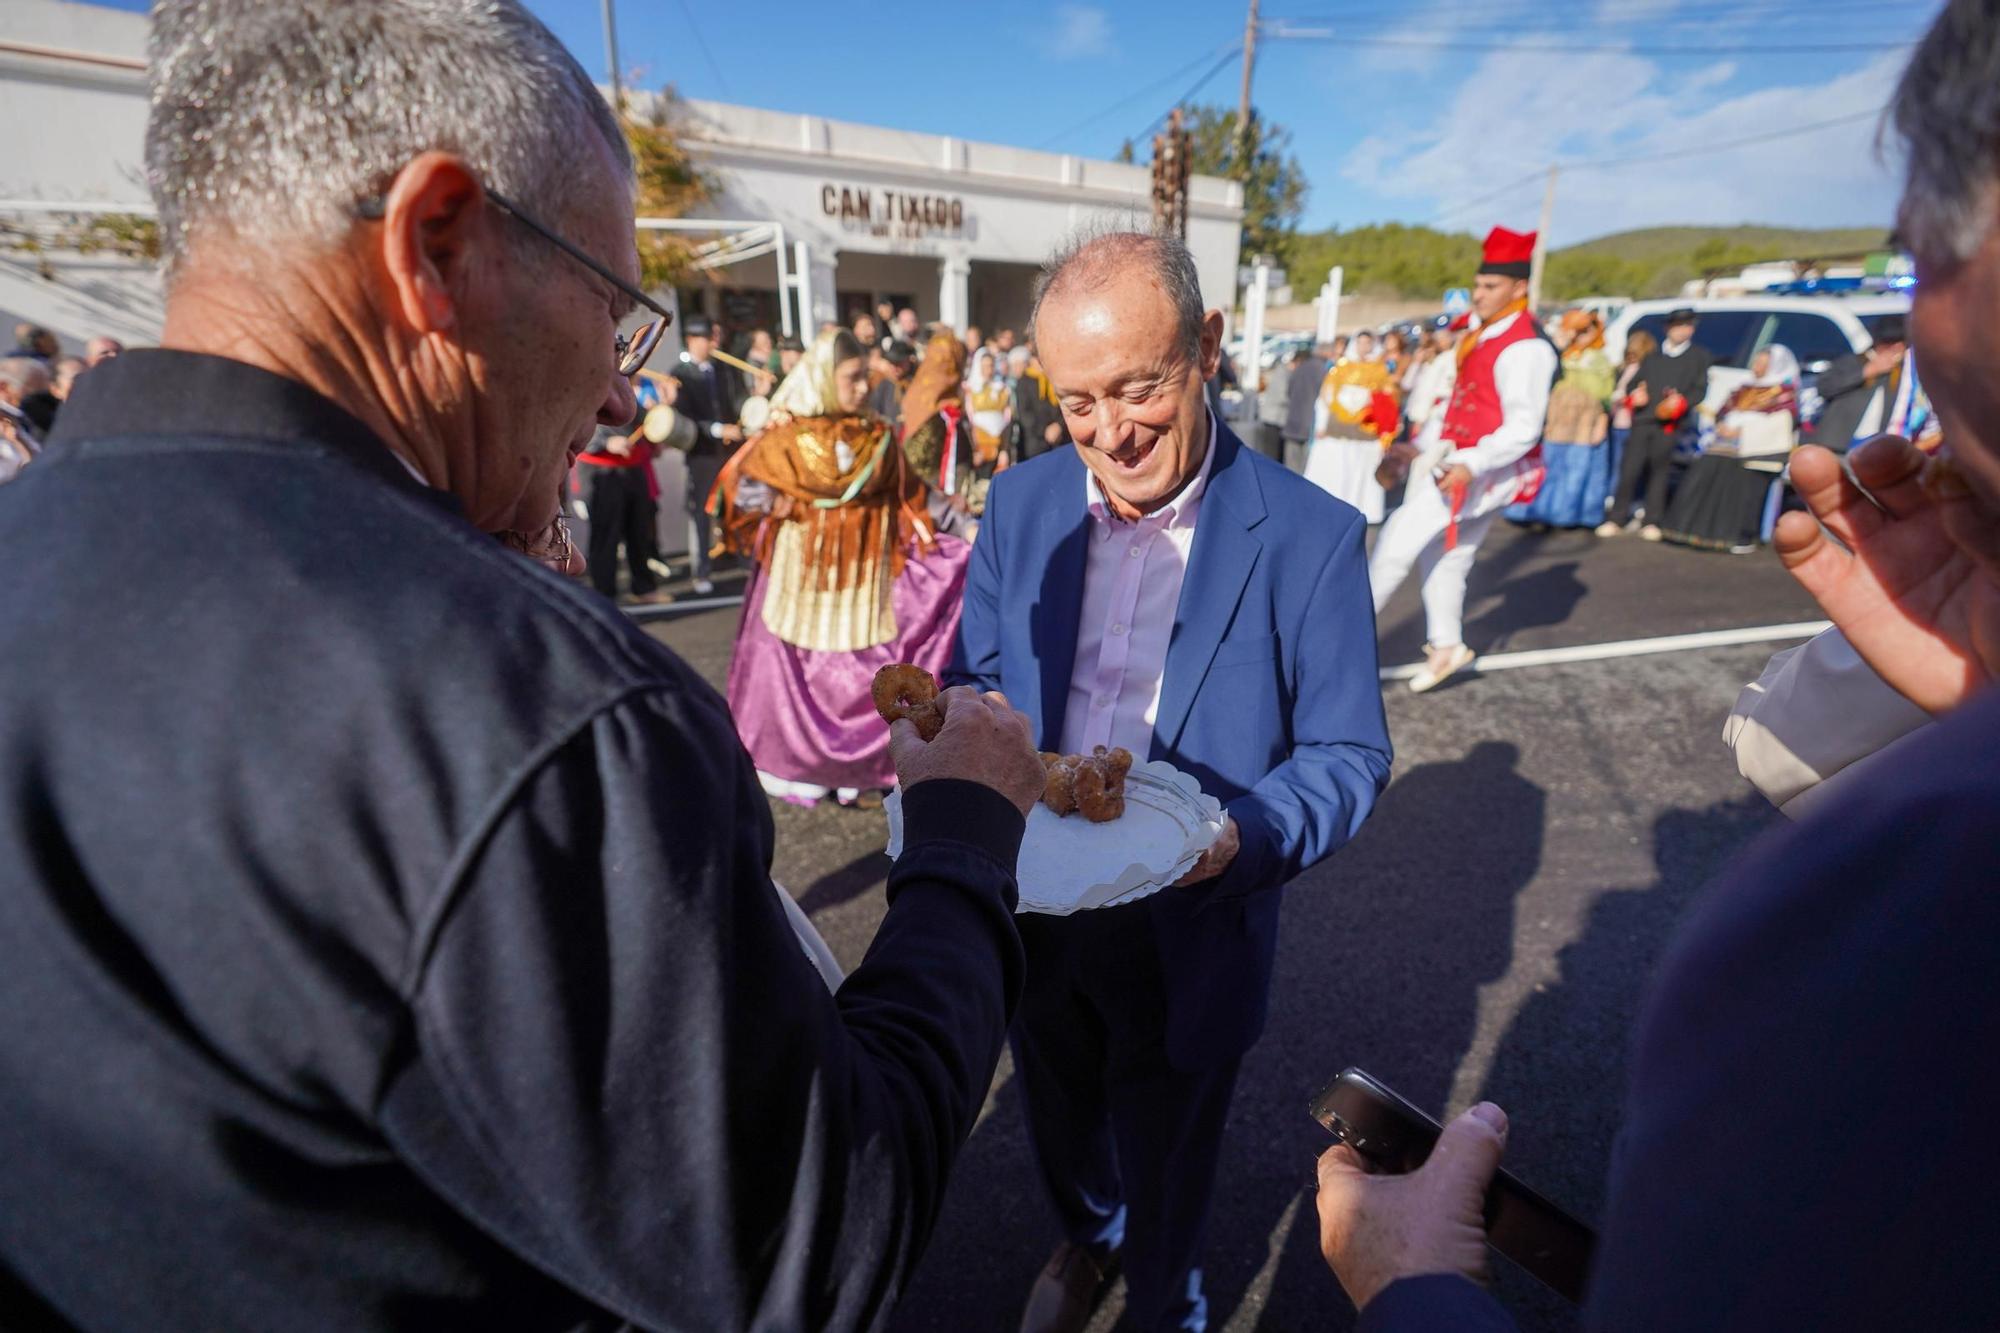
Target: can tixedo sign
892, 212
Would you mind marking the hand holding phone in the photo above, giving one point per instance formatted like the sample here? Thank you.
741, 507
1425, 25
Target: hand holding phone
1397, 1138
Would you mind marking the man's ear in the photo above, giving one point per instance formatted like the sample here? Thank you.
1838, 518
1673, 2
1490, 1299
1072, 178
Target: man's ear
1211, 344
433, 221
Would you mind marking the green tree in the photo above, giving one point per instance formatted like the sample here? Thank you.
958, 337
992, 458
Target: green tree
1274, 185
1386, 259
669, 185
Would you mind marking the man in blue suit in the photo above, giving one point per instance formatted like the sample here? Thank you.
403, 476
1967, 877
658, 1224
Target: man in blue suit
1161, 587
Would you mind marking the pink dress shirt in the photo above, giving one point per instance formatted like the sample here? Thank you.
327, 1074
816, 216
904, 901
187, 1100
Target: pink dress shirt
1131, 591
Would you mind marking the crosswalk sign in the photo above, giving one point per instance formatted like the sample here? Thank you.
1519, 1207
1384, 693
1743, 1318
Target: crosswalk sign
1457, 300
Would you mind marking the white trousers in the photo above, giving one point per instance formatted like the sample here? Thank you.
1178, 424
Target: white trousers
1414, 535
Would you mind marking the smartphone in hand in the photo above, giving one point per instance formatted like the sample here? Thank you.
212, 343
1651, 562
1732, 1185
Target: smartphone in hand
1396, 1137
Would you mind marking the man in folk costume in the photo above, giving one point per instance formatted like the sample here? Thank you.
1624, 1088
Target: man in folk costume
1478, 456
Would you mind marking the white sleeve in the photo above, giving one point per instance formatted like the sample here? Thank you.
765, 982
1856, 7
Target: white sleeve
1523, 374
1816, 716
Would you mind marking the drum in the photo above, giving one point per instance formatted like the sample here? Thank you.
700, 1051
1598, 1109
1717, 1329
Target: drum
754, 415
665, 426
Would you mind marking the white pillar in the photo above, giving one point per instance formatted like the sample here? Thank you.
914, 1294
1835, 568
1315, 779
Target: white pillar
815, 278
1251, 372
825, 297
1329, 305
955, 292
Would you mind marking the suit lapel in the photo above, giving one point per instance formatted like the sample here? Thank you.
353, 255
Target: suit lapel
1057, 558
1219, 568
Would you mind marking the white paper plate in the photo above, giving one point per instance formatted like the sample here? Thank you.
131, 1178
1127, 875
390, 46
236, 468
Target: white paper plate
1072, 865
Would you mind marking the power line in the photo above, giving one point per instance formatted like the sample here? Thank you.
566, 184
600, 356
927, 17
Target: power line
1229, 53
1615, 163
1196, 87
702, 42
1510, 187
1686, 14
1609, 163
1585, 48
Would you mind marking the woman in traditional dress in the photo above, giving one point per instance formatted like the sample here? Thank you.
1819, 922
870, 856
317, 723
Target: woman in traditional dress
938, 438
1580, 469
1638, 346
988, 401
1720, 504
849, 577
1357, 417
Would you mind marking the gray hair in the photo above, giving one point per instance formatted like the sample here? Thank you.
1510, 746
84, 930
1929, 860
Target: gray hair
1947, 112
273, 120
23, 374
1091, 258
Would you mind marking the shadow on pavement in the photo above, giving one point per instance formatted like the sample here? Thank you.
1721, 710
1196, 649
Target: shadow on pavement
1381, 958
852, 880
1544, 597
1574, 1034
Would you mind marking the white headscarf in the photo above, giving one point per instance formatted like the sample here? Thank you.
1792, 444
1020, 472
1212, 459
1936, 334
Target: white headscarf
809, 391
1784, 368
982, 369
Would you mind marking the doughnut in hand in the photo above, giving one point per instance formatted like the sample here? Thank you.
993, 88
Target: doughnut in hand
909, 691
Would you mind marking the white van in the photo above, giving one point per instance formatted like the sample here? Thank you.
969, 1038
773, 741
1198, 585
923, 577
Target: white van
1817, 329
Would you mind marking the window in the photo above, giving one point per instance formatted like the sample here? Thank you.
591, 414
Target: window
1725, 333
1813, 339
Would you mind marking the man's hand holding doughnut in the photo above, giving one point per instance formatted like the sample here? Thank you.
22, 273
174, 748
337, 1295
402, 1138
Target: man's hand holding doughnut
984, 740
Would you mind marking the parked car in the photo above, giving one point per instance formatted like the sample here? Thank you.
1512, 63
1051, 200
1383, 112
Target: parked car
1817, 329
1278, 348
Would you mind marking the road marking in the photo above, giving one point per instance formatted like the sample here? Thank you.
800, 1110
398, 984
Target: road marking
668, 610
1598, 652
1588, 652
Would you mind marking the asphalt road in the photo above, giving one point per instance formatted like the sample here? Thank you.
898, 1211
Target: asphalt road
1489, 934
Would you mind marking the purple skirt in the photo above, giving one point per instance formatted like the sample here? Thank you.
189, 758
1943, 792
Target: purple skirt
809, 716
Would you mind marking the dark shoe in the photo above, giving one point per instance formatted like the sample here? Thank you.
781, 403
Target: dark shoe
1066, 1294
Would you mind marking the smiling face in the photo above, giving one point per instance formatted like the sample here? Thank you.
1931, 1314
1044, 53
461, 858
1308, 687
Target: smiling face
1130, 395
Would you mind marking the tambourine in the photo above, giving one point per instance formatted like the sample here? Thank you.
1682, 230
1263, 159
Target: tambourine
665, 426
755, 414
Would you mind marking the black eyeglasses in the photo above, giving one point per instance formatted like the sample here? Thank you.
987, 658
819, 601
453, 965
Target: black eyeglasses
633, 351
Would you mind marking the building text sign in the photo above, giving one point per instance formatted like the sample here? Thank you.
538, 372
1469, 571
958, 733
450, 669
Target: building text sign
899, 213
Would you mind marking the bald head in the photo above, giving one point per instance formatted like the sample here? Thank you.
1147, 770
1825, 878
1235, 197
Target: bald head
1096, 261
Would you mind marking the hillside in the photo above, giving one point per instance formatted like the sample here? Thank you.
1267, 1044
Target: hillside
1392, 259
1654, 244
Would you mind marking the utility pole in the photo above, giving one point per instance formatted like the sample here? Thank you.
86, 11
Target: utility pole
611, 57
1542, 240
1243, 106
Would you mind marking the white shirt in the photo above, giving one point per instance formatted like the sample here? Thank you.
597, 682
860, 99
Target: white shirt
1523, 376
1131, 592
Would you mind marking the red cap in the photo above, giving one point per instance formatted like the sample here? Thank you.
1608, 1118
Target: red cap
1508, 253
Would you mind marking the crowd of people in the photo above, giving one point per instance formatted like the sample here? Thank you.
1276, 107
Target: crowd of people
386, 931
1609, 448
35, 380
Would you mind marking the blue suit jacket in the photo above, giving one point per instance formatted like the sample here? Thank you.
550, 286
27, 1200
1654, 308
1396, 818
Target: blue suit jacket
1270, 698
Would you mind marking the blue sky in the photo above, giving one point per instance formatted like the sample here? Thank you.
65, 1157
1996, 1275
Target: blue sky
1388, 125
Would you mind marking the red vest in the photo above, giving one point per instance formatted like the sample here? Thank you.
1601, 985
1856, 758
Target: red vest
1475, 400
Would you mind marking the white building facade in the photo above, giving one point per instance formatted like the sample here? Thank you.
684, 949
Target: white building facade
810, 220
951, 228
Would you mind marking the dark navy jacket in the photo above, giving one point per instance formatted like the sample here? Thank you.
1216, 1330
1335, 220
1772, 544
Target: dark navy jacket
386, 938
1271, 696
1810, 1138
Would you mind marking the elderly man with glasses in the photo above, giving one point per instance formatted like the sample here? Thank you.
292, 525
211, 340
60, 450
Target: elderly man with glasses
386, 937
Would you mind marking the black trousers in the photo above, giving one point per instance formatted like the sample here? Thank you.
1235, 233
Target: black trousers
621, 514
1649, 459
1126, 1143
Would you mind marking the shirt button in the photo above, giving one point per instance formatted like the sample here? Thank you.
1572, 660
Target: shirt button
1117, 629
1101, 701
1134, 551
